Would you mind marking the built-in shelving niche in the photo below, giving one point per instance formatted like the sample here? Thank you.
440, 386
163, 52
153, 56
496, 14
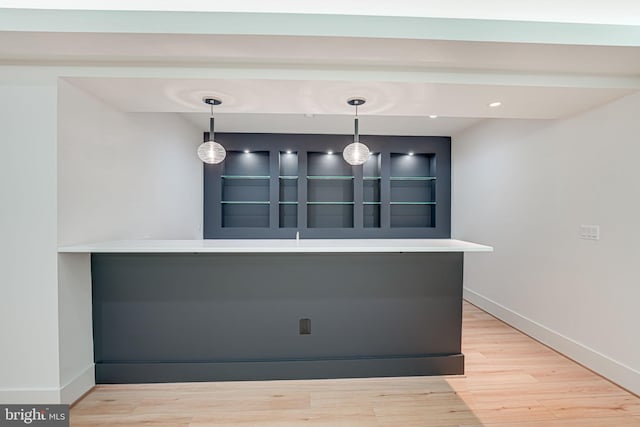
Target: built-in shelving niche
288, 190
245, 190
290, 183
330, 200
371, 192
413, 190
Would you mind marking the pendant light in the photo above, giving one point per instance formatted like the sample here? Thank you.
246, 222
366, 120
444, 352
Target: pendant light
356, 153
210, 151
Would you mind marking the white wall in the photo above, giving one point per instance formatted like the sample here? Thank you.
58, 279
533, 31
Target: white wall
78, 176
525, 187
120, 176
28, 292
125, 175
76, 372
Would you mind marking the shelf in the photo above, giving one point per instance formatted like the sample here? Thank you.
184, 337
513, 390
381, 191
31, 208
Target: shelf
246, 176
413, 203
391, 195
330, 177
413, 178
330, 203
244, 202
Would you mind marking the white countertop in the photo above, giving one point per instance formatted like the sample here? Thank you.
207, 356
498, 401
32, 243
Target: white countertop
278, 246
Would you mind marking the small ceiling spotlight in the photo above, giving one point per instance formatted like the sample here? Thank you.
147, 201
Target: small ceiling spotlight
329, 152
495, 104
210, 151
433, 116
246, 151
288, 151
411, 153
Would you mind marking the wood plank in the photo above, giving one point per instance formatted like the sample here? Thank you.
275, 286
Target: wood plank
510, 380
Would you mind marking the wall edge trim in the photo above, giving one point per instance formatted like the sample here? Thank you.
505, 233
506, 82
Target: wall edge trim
78, 386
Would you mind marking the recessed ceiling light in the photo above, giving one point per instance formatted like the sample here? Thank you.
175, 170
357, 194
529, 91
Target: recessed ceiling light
329, 152
433, 116
495, 104
246, 151
411, 153
288, 151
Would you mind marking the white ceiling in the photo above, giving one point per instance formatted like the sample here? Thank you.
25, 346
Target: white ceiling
332, 123
378, 53
269, 83
590, 11
322, 97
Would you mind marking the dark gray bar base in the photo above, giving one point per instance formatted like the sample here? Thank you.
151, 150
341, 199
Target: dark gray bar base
214, 317
117, 373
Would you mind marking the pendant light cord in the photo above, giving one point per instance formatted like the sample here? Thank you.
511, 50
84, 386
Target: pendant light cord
356, 136
211, 121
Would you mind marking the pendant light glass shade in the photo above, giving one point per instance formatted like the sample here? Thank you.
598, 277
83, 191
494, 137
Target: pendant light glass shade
210, 151
356, 153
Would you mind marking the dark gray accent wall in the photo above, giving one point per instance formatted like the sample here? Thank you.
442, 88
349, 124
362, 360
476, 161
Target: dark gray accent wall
202, 317
272, 219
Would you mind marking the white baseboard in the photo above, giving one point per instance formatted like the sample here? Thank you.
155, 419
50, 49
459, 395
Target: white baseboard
68, 393
78, 386
30, 396
616, 372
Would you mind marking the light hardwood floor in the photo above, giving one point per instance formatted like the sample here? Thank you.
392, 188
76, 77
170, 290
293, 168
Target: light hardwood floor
510, 380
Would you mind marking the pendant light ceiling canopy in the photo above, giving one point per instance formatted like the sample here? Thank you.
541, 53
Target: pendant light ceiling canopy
356, 153
210, 151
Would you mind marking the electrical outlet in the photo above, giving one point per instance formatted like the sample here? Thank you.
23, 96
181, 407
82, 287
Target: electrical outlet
305, 326
590, 232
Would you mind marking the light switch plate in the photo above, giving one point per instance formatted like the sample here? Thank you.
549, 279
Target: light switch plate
590, 232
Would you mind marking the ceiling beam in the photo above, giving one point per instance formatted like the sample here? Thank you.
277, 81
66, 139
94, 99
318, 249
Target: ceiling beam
289, 24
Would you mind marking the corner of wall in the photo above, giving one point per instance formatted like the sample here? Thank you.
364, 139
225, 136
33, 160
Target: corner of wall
79, 386
67, 393
525, 187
